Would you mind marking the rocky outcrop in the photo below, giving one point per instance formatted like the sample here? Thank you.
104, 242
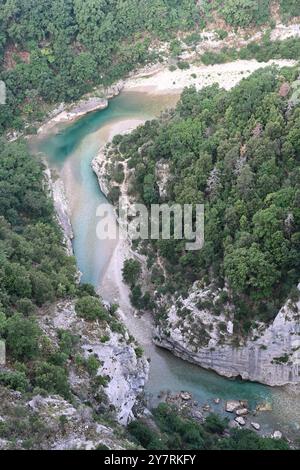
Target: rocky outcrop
162, 174
61, 205
95, 101
271, 355
58, 425
122, 372
99, 166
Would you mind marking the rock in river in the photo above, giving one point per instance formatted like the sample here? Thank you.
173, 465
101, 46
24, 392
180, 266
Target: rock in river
255, 426
277, 435
232, 405
240, 420
242, 412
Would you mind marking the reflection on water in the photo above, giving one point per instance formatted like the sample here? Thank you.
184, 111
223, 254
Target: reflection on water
70, 152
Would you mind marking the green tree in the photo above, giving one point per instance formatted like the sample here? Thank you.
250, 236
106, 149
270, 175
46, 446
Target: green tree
90, 308
131, 271
22, 335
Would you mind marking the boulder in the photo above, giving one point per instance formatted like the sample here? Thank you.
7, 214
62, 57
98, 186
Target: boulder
242, 412
255, 426
185, 396
197, 415
277, 435
240, 420
217, 401
206, 408
264, 407
232, 405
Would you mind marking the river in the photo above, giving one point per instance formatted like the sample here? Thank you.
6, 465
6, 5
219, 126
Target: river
69, 150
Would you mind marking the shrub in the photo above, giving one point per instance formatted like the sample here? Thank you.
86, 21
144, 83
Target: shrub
92, 365
215, 424
131, 271
22, 336
90, 308
53, 379
104, 338
222, 34
14, 380
139, 352
183, 65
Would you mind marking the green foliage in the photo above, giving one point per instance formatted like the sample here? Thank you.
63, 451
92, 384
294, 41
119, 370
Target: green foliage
183, 65
242, 13
249, 440
289, 8
139, 352
34, 266
238, 152
173, 431
131, 271
14, 380
144, 435
53, 379
285, 49
114, 37
22, 335
214, 424
90, 308
92, 365
67, 341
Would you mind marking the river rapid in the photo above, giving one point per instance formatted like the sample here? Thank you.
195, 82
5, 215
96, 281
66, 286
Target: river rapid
69, 150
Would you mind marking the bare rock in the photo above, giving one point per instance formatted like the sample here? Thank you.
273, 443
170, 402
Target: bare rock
255, 426
240, 420
277, 435
242, 412
186, 396
232, 405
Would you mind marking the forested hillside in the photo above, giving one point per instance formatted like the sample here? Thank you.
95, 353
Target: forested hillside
57, 50
238, 153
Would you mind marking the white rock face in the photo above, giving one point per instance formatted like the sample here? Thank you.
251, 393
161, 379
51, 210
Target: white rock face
242, 412
67, 426
162, 174
232, 405
61, 206
126, 372
270, 355
240, 420
255, 426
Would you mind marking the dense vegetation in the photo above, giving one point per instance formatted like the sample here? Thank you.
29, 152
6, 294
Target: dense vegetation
238, 153
240, 13
57, 50
35, 272
176, 432
267, 50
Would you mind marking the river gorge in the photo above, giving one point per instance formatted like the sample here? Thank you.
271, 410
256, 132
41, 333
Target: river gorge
69, 150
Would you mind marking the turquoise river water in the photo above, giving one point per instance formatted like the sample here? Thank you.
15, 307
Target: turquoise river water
69, 149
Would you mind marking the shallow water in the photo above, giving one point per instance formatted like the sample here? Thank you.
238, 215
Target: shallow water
69, 150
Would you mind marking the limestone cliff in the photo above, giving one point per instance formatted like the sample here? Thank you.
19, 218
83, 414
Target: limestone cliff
121, 371
52, 423
270, 355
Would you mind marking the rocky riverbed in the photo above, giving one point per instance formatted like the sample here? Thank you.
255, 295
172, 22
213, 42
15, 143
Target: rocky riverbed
238, 412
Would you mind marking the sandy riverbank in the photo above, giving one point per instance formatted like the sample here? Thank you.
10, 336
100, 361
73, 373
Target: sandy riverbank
88, 104
112, 288
164, 81
158, 79
161, 81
